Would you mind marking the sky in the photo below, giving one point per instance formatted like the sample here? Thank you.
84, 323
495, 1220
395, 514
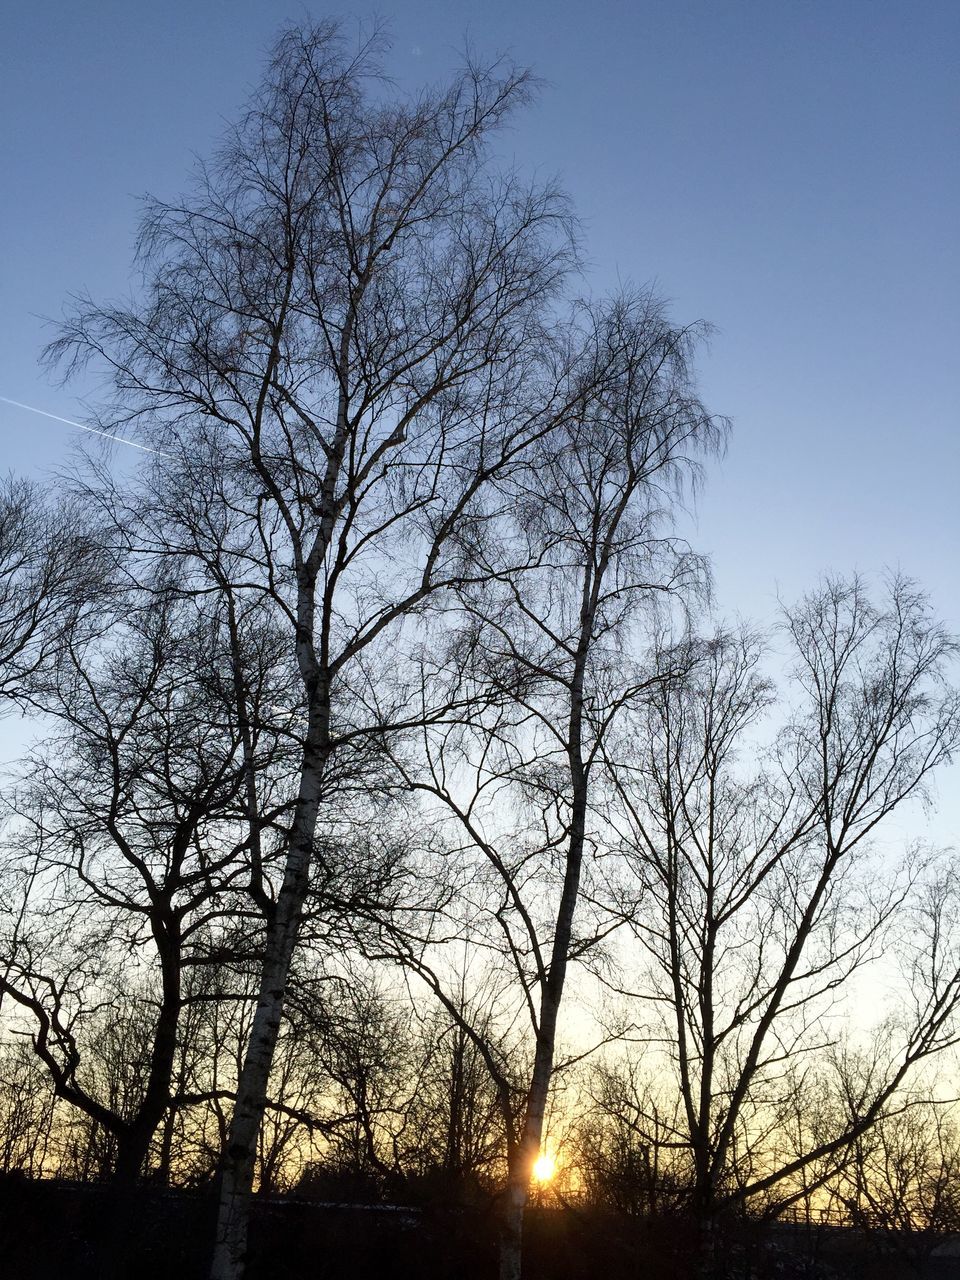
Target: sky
787, 170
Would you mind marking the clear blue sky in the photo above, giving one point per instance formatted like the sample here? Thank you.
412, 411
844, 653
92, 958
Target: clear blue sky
786, 169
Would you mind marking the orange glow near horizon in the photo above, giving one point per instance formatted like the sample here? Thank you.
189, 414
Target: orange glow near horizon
544, 1168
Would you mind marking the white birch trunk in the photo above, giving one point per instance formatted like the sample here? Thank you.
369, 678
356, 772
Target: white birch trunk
237, 1171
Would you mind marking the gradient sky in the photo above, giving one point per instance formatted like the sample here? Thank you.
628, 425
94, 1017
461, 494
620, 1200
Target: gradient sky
787, 169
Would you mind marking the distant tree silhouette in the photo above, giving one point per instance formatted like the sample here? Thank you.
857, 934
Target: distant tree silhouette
755, 898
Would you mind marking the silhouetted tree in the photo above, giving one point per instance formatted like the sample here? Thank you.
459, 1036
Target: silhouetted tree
49, 567
344, 317
580, 556
756, 898
130, 836
901, 1184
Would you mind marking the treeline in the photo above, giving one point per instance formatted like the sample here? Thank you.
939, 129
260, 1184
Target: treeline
379, 1105
384, 698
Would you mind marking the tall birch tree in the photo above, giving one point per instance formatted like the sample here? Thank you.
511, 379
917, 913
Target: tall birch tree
583, 553
344, 320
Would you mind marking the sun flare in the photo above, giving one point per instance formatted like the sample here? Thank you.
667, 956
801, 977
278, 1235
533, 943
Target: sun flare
544, 1167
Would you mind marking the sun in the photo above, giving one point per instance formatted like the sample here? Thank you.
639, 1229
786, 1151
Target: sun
544, 1167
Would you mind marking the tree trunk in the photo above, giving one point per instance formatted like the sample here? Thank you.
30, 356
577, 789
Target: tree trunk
166, 1148
239, 1157
521, 1164
132, 1148
706, 1248
133, 1143
521, 1170
511, 1229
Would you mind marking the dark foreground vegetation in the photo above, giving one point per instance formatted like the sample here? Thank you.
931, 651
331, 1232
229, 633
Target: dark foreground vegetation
53, 1229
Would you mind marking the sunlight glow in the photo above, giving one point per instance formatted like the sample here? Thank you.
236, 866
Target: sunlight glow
544, 1167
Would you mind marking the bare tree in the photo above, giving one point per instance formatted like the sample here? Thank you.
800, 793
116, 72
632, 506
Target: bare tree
27, 1120
900, 1183
410, 1108
624, 1145
344, 319
580, 555
130, 836
47, 569
460, 1144
756, 894
218, 1002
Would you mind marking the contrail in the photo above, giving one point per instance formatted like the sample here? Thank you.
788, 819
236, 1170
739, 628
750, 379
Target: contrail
93, 430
